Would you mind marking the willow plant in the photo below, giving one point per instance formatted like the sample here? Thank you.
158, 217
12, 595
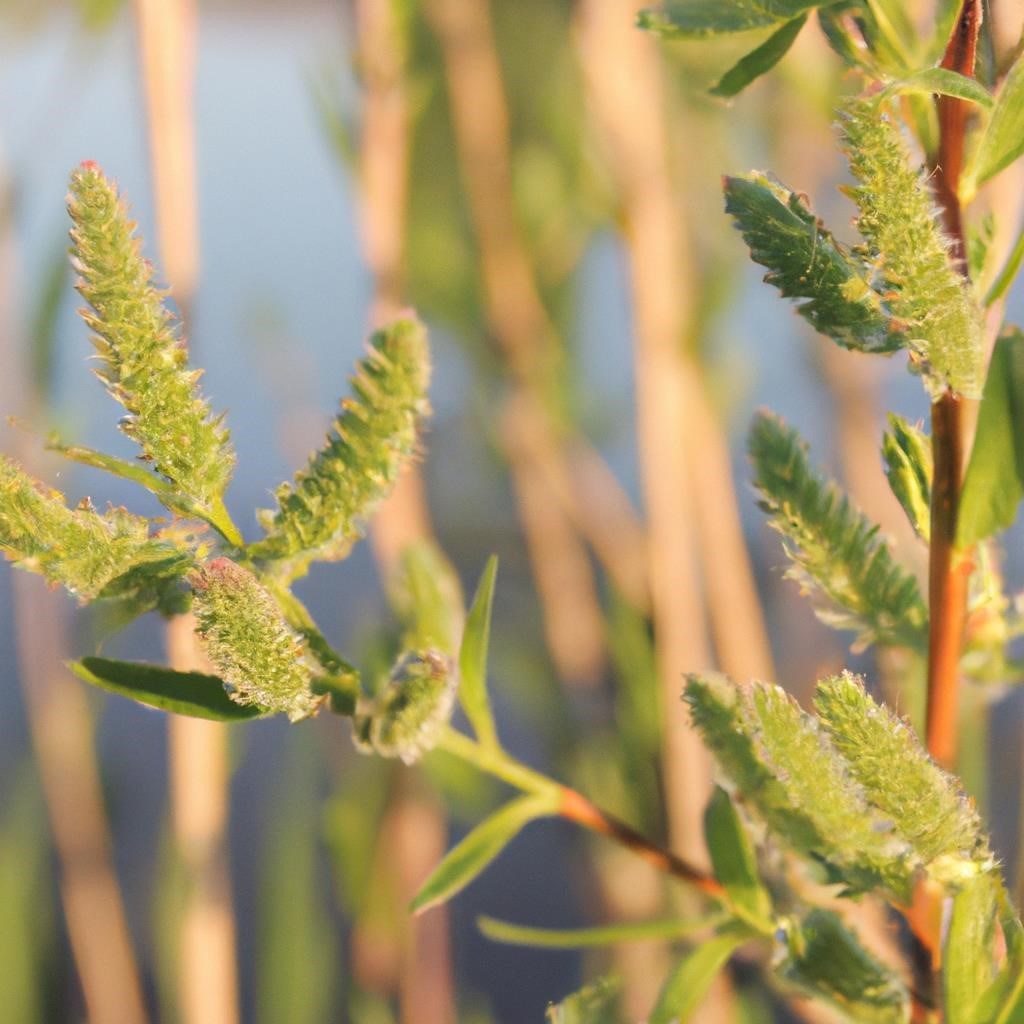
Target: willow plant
816, 809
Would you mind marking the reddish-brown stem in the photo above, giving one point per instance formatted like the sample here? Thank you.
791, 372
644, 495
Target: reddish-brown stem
576, 807
948, 569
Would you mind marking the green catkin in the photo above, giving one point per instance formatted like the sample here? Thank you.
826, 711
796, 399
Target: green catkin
324, 512
142, 360
262, 661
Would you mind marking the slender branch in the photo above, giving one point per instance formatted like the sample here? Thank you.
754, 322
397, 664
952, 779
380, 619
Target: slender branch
948, 568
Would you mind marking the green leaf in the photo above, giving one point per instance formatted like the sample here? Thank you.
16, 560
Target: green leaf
116, 467
968, 966
181, 693
263, 661
594, 1004
828, 961
587, 938
735, 863
806, 262
759, 61
907, 453
837, 553
466, 860
427, 597
786, 771
1003, 140
325, 511
85, 551
697, 19
994, 483
689, 981
142, 361
942, 82
473, 658
927, 807
899, 221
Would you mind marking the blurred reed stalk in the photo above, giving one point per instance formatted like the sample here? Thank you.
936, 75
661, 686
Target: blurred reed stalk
687, 480
547, 462
207, 971
61, 726
414, 833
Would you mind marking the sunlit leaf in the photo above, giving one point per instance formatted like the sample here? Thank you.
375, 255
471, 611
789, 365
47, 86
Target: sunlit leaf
463, 863
735, 863
695, 19
994, 484
689, 981
941, 82
1003, 140
586, 938
759, 61
473, 658
181, 693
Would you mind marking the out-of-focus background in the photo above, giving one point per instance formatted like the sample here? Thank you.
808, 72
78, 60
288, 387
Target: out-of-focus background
540, 181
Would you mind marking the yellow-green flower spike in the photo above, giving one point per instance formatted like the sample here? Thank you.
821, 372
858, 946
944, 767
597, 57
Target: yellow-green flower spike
143, 361
81, 549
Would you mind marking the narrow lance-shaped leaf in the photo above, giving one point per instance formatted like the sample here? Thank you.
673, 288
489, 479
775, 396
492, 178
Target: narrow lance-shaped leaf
587, 938
837, 553
805, 261
180, 693
828, 961
939, 316
786, 773
325, 512
143, 362
689, 981
83, 550
473, 658
994, 482
1003, 139
760, 61
907, 454
466, 860
926, 806
244, 633
941, 82
697, 19
734, 861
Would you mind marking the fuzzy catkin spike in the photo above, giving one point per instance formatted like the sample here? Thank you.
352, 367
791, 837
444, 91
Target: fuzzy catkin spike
926, 806
143, 362
262, 660
324, 512
836, 551
81, 549
787, 772
941, 320
414, 706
